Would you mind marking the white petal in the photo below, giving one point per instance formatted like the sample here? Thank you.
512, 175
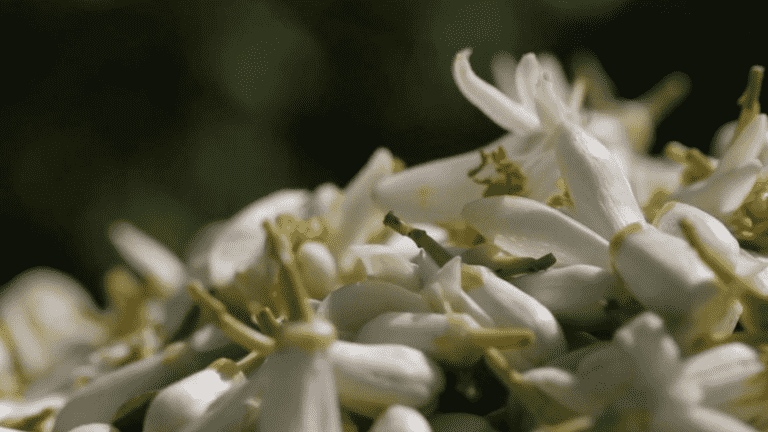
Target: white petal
747, 146
711, 231
351, 306
100, 400
186, 400
148, 257
524, 227
721, 195
508, 306
446, 284
559, 384
600, 190
654, 353
399, 418
359, 217
649, 173
503, 68
387, 264
526, 76
325, 198
549, 106
723, 138
303, 396
721, 371
372, 377
436, 191
241, 242
493, 103
318, 269
552, 65
574, 294
666, 275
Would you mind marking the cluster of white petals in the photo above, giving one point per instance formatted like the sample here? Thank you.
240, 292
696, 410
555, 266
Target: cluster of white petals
601, 288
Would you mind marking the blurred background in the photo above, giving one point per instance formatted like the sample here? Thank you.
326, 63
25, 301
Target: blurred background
172, 114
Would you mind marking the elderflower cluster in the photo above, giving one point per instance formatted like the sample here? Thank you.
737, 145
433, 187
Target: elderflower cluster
600, 288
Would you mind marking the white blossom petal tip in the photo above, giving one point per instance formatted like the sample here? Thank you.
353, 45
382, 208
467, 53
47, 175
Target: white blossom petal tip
721, 195
496, 105
747, 146
148, 257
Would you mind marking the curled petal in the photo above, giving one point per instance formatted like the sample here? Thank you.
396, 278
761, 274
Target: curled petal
498, 107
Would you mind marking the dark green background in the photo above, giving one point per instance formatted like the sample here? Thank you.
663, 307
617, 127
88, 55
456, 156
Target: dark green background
173, 114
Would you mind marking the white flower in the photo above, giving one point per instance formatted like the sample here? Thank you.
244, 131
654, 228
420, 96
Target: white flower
436, 191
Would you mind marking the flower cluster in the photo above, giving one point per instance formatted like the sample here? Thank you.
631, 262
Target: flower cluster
561, 275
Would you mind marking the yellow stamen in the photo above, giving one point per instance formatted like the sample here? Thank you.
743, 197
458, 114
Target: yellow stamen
12, 384
239, 332
732, 288
251, 362
289, 279
514, 266
420, 237
578, 94
697, 165
501, 338
656, 204
397, 165
266, 321
35, 422
461, 234
579, 424
508, 178
749, 223
618, 239
563, 199
470, 277
126, 297
665, 95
